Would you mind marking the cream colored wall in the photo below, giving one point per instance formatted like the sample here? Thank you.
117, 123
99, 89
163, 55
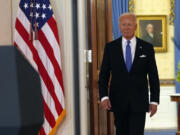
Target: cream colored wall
62, 11
165, 61
5, 22
166, 117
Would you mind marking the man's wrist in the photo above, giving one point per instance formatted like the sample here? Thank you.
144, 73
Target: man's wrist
104, 98
154, 103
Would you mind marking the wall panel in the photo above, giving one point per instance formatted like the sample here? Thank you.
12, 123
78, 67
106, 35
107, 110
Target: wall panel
166, 117
5, 22
165, 61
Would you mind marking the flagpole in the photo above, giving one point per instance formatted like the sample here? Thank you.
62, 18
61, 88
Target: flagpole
31, 19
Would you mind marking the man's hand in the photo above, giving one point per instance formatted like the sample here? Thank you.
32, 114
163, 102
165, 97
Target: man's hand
152, 109
106, 104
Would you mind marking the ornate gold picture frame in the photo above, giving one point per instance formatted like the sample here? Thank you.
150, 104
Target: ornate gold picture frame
153, 29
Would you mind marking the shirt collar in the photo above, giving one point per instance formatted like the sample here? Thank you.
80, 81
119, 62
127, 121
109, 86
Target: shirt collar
124, 40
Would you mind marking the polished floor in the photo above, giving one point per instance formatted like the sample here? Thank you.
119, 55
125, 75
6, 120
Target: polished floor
161, 132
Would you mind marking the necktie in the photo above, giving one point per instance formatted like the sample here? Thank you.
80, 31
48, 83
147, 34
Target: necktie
128, 56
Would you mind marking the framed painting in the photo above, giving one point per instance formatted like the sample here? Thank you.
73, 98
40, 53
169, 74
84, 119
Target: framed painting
153, 29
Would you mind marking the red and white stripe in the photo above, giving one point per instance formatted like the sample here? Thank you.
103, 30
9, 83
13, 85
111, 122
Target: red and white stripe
44, 55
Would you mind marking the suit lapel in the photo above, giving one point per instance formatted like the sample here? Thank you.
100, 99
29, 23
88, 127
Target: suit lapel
122, 56
137, 52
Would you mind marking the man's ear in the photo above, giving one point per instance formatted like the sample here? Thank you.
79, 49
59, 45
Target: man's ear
119, 26
136, 26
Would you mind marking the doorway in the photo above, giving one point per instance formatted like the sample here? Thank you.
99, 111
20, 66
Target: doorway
99, 33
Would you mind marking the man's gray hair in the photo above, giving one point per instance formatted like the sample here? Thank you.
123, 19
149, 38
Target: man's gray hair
129, 14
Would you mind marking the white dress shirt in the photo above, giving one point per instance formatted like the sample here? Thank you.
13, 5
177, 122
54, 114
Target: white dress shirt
132, 45
133, 49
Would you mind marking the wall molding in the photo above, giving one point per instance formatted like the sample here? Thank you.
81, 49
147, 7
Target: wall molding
167, 82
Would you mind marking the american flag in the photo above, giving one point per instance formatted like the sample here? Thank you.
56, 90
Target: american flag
36, 35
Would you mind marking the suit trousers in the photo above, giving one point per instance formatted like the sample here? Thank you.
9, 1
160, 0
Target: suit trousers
129, 123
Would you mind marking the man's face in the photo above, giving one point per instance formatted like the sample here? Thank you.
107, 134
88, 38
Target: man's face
150, 28
127, 26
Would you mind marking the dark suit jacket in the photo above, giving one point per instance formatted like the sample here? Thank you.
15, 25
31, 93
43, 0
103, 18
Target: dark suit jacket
129, 90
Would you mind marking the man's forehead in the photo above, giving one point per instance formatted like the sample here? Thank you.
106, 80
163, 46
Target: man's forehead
127, 20
149, 25
127, 17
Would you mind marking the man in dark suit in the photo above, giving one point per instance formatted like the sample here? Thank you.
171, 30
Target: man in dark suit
129, 60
